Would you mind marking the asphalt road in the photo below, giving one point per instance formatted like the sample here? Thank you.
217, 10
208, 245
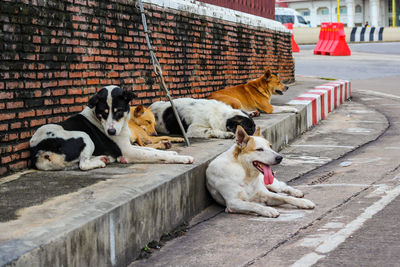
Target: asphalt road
371, 60
371, 236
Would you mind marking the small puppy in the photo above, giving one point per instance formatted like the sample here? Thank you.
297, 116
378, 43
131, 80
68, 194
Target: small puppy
142, 126
94, 137
202, 118
241, 178
255, 95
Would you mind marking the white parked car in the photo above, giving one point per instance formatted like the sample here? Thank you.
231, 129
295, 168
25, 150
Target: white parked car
288, 15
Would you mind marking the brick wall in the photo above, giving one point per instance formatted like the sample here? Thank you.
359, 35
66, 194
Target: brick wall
55, 54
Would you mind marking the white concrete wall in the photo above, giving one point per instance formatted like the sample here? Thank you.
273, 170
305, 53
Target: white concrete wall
359, 18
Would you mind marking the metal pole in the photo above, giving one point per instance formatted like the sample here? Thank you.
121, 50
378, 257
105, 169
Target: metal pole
393, 13
158, 71
338, 11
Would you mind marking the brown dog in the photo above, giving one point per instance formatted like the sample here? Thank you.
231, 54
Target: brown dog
255, 95
142, 126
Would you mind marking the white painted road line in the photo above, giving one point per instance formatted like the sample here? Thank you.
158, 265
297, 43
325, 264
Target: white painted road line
379, 94
331, 242
333, 146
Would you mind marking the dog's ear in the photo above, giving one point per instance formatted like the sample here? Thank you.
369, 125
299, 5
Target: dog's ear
241, 137
267, 73
93, 101
258, 131
139, 110
128, 95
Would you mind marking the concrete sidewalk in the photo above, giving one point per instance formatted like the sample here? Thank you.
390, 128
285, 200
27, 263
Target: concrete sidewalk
106, 216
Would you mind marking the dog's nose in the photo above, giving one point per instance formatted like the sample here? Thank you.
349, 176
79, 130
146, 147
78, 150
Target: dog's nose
278, 159
111, 131
286, 88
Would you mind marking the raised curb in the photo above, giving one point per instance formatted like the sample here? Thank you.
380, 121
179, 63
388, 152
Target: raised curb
323, 99
110, 226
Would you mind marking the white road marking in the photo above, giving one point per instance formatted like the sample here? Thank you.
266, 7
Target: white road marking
112, 239
358, 130
290, 160
365, 160
333, 146
333, 225
392, 147
308, 260
333, 185
358, 121
331, 242
379, 94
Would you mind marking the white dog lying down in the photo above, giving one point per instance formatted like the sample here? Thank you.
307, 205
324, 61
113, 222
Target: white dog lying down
238, 177
202, 118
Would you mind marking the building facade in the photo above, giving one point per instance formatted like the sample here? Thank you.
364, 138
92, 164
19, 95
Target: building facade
352, 12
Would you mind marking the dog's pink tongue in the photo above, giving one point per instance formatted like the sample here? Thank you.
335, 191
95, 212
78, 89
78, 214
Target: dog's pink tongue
268, 176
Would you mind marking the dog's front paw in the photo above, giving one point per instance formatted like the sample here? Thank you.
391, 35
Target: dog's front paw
254, 114
122, 160
306, 204
186, 159
269, 212
294, 110
229, 135
296, 193
177, 140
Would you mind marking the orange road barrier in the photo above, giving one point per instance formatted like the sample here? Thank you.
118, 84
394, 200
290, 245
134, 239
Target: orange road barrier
332, 40
295, 47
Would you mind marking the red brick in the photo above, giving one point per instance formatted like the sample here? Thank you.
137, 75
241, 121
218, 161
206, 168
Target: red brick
37, 122
64, 83
54, 120
26, 134
41, 112
64, 101
81, 99
93, 36
58, 92
6, 159
49, 84
21, 146
24, 114
18, 166
93, 81
15, 125
6, 95
7, 116
3, 127
25, 155
75, 109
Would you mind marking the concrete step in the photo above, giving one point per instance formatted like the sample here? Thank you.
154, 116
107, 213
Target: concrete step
104, 217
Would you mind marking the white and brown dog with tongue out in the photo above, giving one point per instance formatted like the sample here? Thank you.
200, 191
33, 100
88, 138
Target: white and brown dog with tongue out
242, 180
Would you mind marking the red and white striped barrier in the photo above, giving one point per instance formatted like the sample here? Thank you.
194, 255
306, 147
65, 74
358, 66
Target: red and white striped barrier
322, 99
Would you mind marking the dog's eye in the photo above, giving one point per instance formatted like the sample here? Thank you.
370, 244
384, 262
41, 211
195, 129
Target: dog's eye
260, 149
106, 111
270, 146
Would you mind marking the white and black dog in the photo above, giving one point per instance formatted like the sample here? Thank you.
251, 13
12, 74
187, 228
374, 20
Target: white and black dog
94, 137
202, 118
